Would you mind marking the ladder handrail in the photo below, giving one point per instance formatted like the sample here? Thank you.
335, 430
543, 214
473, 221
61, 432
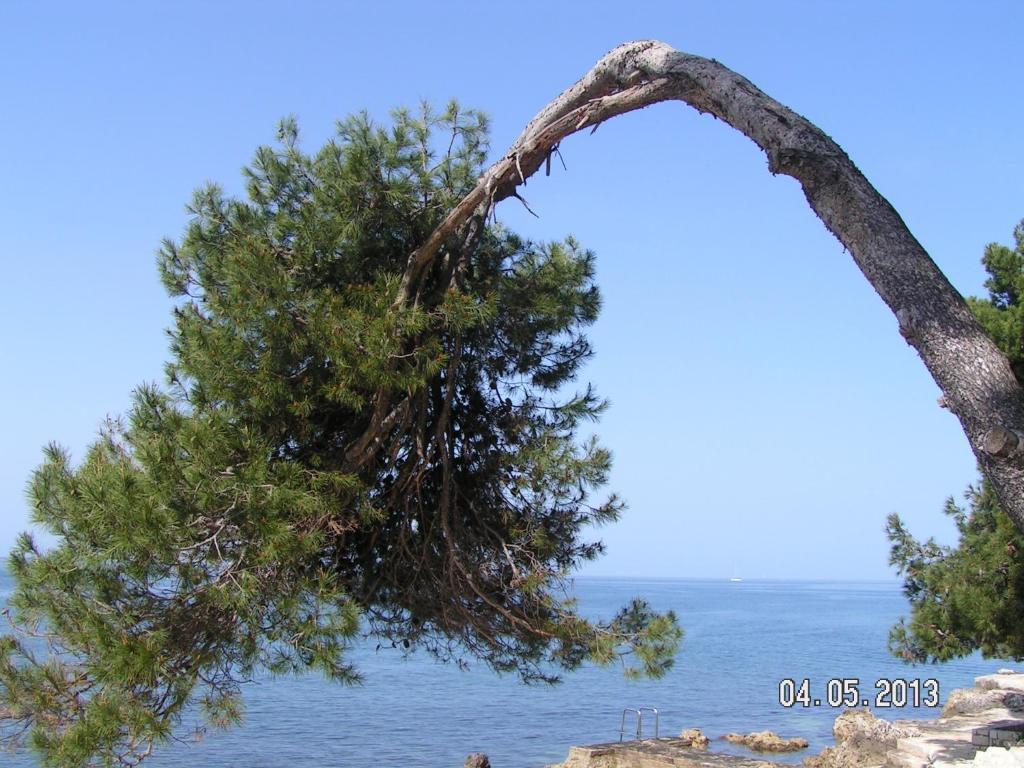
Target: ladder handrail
639, 722
639, 727
622, 722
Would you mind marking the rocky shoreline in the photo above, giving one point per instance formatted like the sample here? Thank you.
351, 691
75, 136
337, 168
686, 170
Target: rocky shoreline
995, 703
973, 719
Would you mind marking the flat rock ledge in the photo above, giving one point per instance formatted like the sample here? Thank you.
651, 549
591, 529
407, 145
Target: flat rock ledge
766, 741
862, 740
655, 753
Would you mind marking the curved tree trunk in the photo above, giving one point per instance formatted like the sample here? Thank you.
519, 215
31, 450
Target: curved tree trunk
975, 378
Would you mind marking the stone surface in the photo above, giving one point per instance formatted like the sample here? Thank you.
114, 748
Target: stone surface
696, 738
970, 700
846, 756
766, 741
996, 757
861, 728
939, 745
1009, 681
897, 759
863, 741
477, 760
656, 753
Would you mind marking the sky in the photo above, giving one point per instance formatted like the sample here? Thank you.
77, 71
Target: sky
765, 414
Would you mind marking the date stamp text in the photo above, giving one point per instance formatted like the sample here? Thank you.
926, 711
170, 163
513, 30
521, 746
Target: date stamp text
886, 693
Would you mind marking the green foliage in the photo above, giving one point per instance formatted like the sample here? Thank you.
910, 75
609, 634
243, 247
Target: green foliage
636, 630
325, 462
966, 598
971, 597
1002, 314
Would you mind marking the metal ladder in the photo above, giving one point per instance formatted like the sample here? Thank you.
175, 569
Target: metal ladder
639, 722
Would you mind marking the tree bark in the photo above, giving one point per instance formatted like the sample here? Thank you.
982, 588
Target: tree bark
975, 378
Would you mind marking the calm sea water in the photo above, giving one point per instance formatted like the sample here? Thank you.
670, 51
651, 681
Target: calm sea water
741, 640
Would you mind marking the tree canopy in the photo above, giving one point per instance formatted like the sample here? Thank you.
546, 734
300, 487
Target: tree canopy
268, 505
366, 420
971, 596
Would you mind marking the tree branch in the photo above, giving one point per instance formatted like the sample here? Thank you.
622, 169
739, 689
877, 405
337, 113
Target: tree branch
975, 378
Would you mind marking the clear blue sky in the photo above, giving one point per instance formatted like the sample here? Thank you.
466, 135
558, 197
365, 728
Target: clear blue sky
766, 415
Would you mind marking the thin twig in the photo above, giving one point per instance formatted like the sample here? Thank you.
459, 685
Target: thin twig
526, 205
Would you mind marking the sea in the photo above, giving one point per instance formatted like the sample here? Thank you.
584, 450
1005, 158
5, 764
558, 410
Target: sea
744, 640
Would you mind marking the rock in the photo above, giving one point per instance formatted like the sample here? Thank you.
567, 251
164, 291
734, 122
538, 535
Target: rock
1014, 701
966, 701
862, 740
863, 730
826, 759
846, 756
766, 741
697, 739
1013, 681
997, 757
852, 723
1005, 671
477, 760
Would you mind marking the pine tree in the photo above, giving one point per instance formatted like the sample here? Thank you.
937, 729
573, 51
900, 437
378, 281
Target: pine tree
971, 597
269, 505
